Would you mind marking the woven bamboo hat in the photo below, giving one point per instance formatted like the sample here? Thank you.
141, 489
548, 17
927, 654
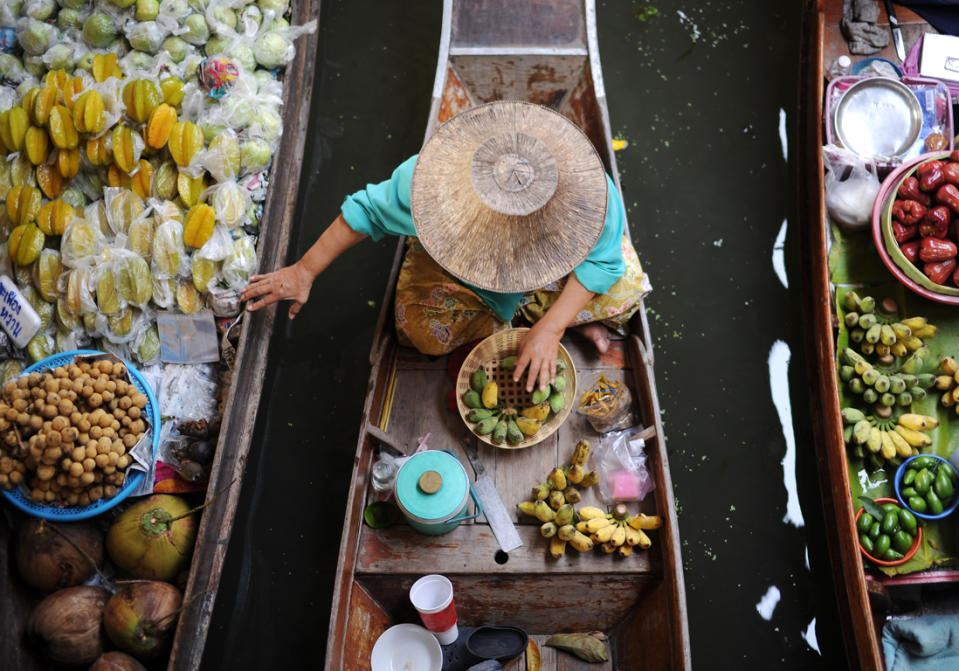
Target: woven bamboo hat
508, 196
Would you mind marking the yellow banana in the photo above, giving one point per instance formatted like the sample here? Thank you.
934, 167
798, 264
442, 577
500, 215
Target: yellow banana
590, 512
597, 523
949, 365
619, 536
917, 422
899, 349
914, 438
557, 547
581, 453
557, 478
901, 330
944, 382
927, 331
527, 508
903, 449
912, 343
624, 550
914, 323
887, 446
632, 536
566, 532
575, 474
581, 542
581, 526
874, 442
641, 521
543, 512
604, 534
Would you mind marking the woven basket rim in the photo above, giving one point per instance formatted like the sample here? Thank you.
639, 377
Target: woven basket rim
493, 349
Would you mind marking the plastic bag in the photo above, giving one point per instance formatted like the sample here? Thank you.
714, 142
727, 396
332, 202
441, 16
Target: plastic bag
851, 187
622, 467
607, 405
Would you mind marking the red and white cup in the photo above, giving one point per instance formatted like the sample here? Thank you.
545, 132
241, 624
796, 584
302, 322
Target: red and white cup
432, 596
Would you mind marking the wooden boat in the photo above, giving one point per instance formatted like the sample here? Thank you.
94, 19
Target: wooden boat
242, 397
544, 53
865, 598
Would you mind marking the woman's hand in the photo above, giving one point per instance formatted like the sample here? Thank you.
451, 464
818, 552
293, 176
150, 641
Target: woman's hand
539, 350
291, 283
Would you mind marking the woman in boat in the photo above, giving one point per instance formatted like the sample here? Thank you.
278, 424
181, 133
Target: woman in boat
509, 216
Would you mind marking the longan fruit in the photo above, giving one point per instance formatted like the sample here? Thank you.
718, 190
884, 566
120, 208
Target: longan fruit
23, 419
60, 423
19, 405
114, 424
69, 434
107, 395
109, 491
60, 372
95, 432
4, 424
50, 411
89, 464
139, 400
36, 421
123, 461
45, 472
103, 445
129, 440
91, 449
95, 400
76, 469
125, 402
102, 460
84, 425
53, 439
134, 412
99, 386
11, 414
37, 393
109, 471
87, 391
66, 408
113, 456
78, 454
96, 493
84, 498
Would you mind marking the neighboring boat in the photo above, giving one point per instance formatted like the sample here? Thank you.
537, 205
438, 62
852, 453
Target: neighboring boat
865, 598
242, 397
544, 53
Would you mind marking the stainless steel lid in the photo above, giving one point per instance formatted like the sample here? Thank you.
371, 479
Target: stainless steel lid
878, 118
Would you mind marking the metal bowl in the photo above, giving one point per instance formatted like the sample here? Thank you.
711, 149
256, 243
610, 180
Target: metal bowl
878, 118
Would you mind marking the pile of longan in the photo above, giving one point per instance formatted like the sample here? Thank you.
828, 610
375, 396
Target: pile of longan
66, 432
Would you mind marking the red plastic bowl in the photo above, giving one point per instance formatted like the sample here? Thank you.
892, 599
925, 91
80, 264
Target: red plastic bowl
888, 189
882, 562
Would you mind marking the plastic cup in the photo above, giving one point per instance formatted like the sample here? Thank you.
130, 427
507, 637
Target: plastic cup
432, 596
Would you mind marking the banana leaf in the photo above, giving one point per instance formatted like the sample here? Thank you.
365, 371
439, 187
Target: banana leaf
855, 265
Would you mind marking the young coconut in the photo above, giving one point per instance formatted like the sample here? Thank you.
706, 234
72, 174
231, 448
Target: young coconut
66, 624
141, 616
153, 539
51, 556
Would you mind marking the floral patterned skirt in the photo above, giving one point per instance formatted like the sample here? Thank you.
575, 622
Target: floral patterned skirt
436, 314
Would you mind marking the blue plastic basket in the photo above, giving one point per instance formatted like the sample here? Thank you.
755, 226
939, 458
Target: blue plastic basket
21, 500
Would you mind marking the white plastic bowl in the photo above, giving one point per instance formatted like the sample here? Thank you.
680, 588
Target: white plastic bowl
404, 647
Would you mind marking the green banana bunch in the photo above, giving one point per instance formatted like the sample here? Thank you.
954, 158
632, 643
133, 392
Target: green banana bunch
878, 329
890, 389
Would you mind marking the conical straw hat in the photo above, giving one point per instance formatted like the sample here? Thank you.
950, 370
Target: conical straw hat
508, 196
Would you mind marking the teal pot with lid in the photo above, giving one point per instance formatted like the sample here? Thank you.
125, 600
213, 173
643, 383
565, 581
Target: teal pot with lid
432, 490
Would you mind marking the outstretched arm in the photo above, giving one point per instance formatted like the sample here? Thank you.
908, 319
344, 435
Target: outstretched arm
539, 348
293, 282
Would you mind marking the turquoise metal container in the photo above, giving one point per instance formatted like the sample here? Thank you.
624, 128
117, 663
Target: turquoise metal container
432, 489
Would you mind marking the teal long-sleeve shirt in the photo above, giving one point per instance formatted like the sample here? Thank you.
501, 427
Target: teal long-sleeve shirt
384, 208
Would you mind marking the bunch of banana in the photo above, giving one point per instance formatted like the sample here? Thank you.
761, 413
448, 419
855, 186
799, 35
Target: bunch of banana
882, 439
552, 502
880, 331
901, 388
617, 531
948, 383
502, 421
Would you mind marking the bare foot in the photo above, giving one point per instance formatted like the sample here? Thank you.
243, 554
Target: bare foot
596, 334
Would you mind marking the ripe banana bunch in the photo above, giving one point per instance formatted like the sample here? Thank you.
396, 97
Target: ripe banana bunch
886, 439
878, 329
886, 388
553, 500
948, 383
493, 416
617, 531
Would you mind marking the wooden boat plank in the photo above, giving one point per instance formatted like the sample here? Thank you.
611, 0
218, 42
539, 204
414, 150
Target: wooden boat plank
834, 42
366, 617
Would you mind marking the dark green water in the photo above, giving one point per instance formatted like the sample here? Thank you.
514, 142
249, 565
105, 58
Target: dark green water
706, 95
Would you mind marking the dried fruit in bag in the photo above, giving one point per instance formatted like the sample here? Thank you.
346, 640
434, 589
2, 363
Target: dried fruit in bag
25, 243
160, 125
198, 225
46, 273
185, 141
53, 217
23, 204
141, 97
89, 115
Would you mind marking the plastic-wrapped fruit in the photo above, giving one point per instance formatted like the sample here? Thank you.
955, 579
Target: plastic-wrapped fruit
88, 113
60, 55
79, 241
5, 182
168, 250
140, 237
41, 10
36, 145
22, 172
63, 134
255, 155
99, 31
39, 347
164, 181
147, 10
134, 281
230, 202
221, 14
197, 30
25, 243
96, 216
224, 153
176, 47
145, 37
105, 66
118, 178
121, 323
46, 272
127, 147
160, 125
240, 263
164, 291
108, 298
23, 204
35, 36
123, 209
50, 180
53, 217
9, 371
203, 271
198, 225
13, 128
271, 49
184, 142
64, 314
78, 299
141, 97
172, 89
74, 197
68, 162
43, 309
142, 180
69, 19
98, 152
148, 346
190, 188
167, 210
188, 298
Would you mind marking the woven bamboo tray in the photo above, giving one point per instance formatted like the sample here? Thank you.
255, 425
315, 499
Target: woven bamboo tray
487, 355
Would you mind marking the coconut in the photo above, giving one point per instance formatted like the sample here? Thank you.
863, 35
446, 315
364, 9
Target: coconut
153, 539
51, 556
116, 661
141, 616
66, 624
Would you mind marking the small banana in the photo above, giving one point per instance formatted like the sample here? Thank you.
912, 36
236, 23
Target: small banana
580, 542
581, 453
927, 331
624, 550
543, 512
641, 521
914, 323
575, 474
605, 534
564, 515
590, 512
581, 526
633, 536
874, 443
527, 508
541, 492
914, 438
903, 448
567, 532
557, 478
917, 422
557, 547
597, 523
548, 529
607, 548
590, 479
886, 446
619, 536
556, 499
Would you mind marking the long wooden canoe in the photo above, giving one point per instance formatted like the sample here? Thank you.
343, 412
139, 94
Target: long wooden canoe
865, 597
242, 397
544, 53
